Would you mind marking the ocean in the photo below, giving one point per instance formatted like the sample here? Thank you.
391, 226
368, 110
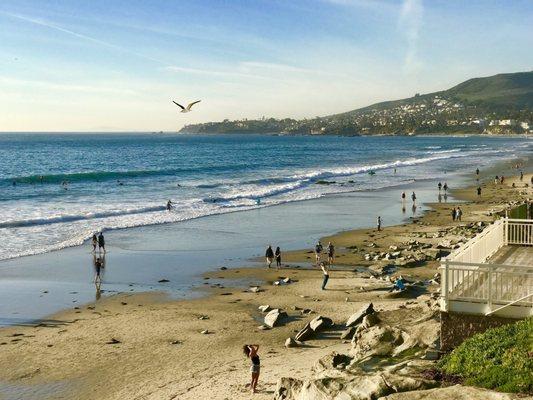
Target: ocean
56, 190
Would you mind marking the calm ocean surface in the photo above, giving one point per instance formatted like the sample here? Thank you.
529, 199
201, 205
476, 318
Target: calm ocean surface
103, 182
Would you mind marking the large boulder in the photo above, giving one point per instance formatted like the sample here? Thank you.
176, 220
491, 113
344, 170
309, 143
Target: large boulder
319, 323
333, 360
377, 340
274, 317
358, 316
315, 325
456, 392
347, 386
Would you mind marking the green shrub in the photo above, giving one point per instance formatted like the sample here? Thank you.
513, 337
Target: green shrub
500, 358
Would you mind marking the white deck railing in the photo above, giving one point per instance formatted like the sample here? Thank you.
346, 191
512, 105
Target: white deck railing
471, 284
518, 231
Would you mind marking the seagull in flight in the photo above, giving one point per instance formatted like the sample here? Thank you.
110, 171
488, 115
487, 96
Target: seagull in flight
188, 108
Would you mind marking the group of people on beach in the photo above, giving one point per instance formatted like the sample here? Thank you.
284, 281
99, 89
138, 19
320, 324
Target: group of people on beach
270, 255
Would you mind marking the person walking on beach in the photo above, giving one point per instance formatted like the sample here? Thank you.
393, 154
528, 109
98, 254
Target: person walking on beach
413, 197
325, 272
95, 242
99, 264
331, 253
521, 175
278, 257
479, 191
269, 255
378, 222
459, 214
445, 187
454, 213
250, 351
439, 186
318, 251
101, 242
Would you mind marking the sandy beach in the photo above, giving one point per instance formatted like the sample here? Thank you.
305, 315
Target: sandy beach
148, 346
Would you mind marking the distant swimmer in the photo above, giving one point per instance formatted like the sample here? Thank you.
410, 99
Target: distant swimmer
445, 187
14, 183
169, 205
258, 202
439, 186
188, 108
371, 172
413, 197
403, 196
41, 179
394, 170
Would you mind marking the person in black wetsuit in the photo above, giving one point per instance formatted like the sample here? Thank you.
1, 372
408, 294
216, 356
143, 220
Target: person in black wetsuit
250, 350
269, 255
278, 257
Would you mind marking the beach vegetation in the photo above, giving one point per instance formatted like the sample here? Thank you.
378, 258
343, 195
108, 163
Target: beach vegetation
500, 359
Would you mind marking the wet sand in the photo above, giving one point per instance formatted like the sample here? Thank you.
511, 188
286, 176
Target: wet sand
147, 346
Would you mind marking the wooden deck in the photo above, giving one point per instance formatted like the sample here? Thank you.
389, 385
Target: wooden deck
513, 255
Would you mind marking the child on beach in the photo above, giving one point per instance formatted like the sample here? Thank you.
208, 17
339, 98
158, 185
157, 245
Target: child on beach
325, 272
269, 255
250, 351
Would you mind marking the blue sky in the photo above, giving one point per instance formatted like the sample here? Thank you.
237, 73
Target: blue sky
73, 65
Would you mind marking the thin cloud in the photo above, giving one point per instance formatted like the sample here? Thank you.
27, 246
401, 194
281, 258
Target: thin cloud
58, 28
410, 23
64, 87
374, 5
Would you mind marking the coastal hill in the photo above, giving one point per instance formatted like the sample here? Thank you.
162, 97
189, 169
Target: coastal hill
499, 104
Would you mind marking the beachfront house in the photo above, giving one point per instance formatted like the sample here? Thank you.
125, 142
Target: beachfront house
488, 281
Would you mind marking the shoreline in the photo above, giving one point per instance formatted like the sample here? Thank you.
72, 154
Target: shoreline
160, 351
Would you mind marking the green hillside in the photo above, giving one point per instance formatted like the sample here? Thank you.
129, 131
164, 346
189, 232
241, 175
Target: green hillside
474, 106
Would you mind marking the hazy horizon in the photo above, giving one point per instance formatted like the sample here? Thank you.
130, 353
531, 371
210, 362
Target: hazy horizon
102, 68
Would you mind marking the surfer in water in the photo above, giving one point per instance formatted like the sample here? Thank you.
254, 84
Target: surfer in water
169, 205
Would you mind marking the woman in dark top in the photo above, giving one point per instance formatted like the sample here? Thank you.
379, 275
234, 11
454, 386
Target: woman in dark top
278, 257
250, 350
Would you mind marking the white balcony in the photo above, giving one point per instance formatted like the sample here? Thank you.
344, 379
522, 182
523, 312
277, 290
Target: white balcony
491, 274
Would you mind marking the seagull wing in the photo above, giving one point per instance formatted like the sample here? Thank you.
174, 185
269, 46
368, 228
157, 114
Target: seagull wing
192, 104
179, 105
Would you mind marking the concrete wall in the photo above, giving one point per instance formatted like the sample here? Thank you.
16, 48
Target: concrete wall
455, 328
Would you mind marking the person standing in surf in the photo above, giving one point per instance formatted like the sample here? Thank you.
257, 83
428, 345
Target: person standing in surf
101, 242
413, 197
269, 255
439, 186
95, 242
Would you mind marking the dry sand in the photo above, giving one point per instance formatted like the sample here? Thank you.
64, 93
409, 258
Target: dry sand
163, 355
